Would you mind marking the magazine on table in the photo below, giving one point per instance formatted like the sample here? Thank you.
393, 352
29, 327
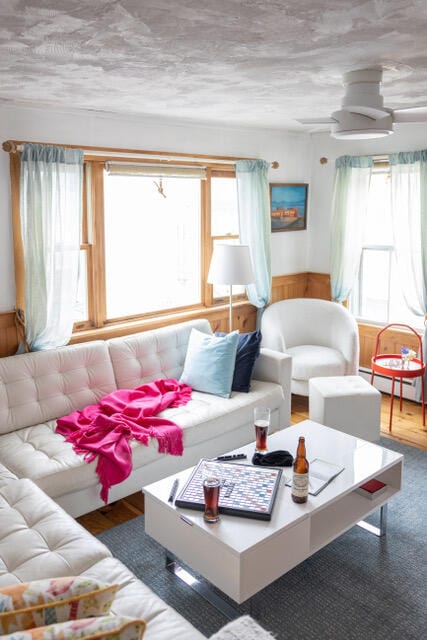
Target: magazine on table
321, 473
372, 488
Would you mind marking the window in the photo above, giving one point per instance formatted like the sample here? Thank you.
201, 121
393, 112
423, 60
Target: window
378, 294
147, 238
152, 244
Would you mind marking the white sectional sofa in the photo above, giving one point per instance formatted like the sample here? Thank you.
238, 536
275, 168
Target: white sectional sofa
38, 388
39, 540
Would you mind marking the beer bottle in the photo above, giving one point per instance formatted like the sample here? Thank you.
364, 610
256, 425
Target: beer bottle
300, 474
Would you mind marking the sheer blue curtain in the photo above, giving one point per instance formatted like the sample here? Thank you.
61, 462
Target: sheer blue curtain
349, 208
253, 197
51, 209
409, 215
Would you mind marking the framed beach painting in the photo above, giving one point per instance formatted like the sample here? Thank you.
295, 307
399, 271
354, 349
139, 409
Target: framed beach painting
288, 204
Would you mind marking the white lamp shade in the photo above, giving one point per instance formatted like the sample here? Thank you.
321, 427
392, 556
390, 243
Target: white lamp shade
231, 264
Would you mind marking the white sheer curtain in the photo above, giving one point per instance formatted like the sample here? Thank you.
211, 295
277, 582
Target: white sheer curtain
349, 208
51, 208
253, 196
409, 215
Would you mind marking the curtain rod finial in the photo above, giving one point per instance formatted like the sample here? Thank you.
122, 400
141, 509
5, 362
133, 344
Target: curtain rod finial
275, 164
9, 146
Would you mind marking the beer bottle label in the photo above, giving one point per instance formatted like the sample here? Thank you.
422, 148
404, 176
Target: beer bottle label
300, 485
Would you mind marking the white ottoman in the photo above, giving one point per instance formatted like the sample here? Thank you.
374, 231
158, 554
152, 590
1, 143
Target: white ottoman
346, 403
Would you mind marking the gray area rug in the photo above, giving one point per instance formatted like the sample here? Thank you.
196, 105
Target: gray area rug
358, 587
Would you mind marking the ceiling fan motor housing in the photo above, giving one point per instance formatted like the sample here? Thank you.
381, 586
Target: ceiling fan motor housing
362, 113
357, 126
362, 93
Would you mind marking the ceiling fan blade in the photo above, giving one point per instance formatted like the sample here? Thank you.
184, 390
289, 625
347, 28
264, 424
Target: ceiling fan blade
374, 113
314, 121
411, 114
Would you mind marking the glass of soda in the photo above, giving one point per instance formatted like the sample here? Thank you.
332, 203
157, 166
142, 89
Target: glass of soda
262, 425
211, 488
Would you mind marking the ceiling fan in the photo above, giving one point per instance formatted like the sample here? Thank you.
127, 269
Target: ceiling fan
362, 114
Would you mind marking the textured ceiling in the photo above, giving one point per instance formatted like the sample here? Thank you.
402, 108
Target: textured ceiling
246, 62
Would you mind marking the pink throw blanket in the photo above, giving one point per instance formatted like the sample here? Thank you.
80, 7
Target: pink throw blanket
104, 429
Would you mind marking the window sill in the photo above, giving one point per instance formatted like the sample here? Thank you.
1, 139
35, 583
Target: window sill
370, 324
214, 314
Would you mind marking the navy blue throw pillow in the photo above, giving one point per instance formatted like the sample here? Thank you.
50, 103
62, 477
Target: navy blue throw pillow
247, 352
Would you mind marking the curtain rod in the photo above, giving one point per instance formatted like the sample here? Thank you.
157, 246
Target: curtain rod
13, 146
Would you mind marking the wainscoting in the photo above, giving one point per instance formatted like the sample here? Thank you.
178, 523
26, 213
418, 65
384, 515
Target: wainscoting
391, 342
298, 285
8, 334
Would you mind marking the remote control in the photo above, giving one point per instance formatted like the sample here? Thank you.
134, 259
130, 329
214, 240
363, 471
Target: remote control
234, 456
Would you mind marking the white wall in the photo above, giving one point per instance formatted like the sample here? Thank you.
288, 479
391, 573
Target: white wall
292, 151
406, 138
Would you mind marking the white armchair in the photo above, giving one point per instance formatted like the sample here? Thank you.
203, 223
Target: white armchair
321, 336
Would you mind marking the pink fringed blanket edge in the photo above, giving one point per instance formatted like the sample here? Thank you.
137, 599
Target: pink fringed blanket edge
103, 430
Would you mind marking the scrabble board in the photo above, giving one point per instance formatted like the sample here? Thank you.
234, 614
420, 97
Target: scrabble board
246, 490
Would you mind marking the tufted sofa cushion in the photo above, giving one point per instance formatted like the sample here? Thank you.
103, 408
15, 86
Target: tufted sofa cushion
6, 475
45, 385
150, 355
41, 454
135, 598
38, 539
38, 452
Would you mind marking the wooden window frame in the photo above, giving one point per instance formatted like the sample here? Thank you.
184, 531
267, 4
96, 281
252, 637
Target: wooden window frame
93, 242
218, 173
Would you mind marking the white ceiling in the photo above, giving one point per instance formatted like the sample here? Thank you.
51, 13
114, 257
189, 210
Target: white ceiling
248, 62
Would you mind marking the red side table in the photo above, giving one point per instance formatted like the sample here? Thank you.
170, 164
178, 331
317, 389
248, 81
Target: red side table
391, 364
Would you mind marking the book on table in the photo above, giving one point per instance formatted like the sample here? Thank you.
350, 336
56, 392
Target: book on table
321, 473
372, 488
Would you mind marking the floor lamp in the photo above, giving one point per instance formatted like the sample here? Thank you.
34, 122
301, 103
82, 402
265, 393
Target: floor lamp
231, 264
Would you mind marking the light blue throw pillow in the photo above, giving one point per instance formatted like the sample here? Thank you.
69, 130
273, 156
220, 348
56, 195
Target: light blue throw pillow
209, 363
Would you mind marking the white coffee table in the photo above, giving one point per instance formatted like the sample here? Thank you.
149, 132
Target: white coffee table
241, 556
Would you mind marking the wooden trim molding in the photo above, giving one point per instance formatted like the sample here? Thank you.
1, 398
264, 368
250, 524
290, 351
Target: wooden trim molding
301, 285
8, 334
289, 286
319, 285
244, 317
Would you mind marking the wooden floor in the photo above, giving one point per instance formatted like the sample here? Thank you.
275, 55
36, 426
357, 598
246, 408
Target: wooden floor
407, 428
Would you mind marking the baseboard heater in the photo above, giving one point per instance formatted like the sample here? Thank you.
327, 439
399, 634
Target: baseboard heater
383, 384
